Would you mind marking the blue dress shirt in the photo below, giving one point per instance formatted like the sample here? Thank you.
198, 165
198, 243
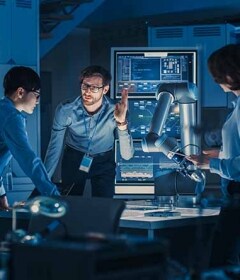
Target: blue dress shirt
228, 163
92, 134
14, 142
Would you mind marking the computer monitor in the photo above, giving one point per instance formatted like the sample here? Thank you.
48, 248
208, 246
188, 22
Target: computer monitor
142, 69
135, 178
141, 113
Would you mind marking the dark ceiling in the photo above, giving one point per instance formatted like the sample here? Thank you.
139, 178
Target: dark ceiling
123, 19
162, 13
124, 13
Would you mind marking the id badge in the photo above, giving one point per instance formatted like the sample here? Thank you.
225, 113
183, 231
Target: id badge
86, 163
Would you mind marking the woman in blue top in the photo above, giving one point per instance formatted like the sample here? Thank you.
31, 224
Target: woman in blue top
22, 91
224, 65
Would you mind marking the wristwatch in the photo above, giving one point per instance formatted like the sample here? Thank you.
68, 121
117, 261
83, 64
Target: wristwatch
121, 123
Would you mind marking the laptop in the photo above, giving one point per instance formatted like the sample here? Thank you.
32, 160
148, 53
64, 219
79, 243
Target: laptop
84, 215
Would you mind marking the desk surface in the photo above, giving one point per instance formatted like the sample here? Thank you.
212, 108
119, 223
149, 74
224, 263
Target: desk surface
132, 218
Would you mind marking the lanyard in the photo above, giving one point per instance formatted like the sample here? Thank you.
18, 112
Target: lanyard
95, 128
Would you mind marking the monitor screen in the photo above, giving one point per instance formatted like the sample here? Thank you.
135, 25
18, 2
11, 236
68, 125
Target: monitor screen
140, 117
141, 70
136, 176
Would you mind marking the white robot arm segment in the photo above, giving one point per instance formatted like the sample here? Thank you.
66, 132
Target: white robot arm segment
156, 141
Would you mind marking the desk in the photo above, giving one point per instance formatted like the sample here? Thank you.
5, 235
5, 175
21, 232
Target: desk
136, 219
189, 234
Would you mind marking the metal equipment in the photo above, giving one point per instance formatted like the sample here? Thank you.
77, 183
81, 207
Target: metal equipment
185, 94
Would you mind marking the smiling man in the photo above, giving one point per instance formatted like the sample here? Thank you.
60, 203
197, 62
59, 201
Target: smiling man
22, 91
89, 124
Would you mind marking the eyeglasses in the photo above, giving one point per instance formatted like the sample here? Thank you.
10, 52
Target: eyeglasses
93, 89
36, 94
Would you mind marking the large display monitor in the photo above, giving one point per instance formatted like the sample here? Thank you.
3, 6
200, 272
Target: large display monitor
141, 70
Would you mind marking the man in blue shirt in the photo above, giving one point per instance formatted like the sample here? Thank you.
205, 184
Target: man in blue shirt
22, 91
89, 124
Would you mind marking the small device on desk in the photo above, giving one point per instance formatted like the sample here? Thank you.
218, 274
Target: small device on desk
162, 213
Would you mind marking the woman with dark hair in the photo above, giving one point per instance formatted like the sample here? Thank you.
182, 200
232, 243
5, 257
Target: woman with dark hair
224, 66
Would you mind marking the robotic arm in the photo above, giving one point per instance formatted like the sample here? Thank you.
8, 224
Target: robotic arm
156, 141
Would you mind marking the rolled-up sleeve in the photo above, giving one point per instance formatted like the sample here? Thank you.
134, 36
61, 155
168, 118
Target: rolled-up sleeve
226, 168
126, 144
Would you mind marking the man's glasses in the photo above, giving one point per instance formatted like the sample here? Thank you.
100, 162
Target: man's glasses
93, 89
36, 94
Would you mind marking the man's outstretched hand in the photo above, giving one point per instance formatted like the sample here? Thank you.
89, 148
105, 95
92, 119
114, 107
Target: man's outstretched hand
121, 107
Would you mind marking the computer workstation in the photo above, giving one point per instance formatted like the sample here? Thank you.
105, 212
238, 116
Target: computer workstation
152, 175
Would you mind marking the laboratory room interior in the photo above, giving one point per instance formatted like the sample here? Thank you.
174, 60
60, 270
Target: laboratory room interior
119, 139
